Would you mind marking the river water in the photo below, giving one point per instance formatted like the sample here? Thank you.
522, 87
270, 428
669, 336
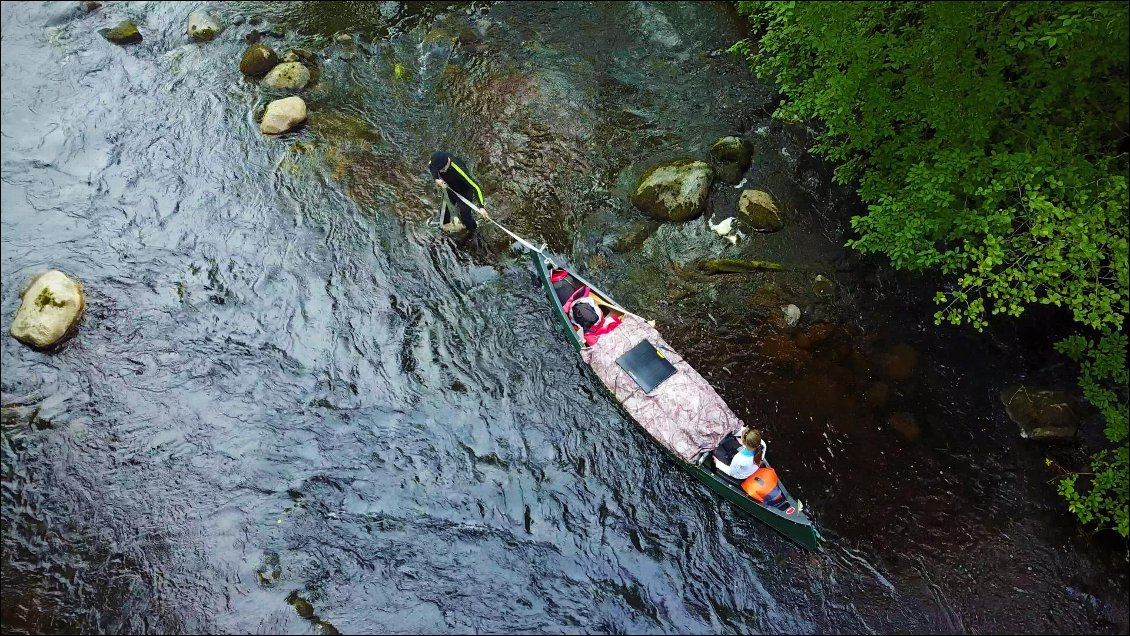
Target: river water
286, 382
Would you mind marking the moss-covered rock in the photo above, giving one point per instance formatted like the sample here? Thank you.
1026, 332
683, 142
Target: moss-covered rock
258, 60
674, 191
124, 33
731, 157
1042, 414
282, 115
737, 265
52, 306
760, 212
203, 26
732, 150
822, 287
288, 76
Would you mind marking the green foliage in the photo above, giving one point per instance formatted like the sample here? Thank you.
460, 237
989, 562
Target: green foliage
988, 141
1105, 381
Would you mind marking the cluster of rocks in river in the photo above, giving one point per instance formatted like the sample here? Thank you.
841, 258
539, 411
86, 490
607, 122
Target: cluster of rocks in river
293, 72
676, 191
297, 70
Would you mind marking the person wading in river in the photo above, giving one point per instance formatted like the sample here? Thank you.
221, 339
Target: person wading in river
450, 172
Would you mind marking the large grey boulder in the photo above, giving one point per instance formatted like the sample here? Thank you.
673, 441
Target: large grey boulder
674, 191
288, 76
52, 305
759, 211
282, 115
1041, 413
203, 26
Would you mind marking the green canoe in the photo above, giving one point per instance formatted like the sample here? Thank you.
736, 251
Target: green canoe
785, 515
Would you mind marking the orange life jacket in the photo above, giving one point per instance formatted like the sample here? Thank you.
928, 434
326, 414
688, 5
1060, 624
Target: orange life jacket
762, 484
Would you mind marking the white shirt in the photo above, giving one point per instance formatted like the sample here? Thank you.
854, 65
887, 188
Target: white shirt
742, 466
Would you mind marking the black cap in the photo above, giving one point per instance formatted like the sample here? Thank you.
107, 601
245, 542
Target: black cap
439, 161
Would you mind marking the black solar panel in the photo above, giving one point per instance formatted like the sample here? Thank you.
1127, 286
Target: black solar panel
646, 365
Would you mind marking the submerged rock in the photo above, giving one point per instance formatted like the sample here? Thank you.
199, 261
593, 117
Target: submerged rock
282, 115
1041, 413
876, 394
900, 361
303, 56
325, 628
760, 212
342, 129
257, 60
124, 33
822, 287
270, 570
288, 76
203, 26
52, 305
68, 11
634, 237
905, 425
674, 191
731, 156
300, 605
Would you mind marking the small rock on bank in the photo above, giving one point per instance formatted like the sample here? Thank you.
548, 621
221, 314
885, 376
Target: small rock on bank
52, 305
282, 115
203, 26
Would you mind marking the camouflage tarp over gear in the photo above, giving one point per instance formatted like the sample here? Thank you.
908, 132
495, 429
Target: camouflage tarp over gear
683, 413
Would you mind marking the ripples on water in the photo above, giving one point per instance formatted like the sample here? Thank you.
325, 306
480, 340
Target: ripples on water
280, 359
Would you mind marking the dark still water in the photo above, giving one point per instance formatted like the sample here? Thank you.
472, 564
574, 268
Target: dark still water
286, 383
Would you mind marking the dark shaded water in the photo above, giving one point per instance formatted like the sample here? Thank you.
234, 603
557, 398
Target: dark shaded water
286, 381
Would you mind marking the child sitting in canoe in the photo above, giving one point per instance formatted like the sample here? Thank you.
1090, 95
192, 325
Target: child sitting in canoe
586, 317
748, 459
